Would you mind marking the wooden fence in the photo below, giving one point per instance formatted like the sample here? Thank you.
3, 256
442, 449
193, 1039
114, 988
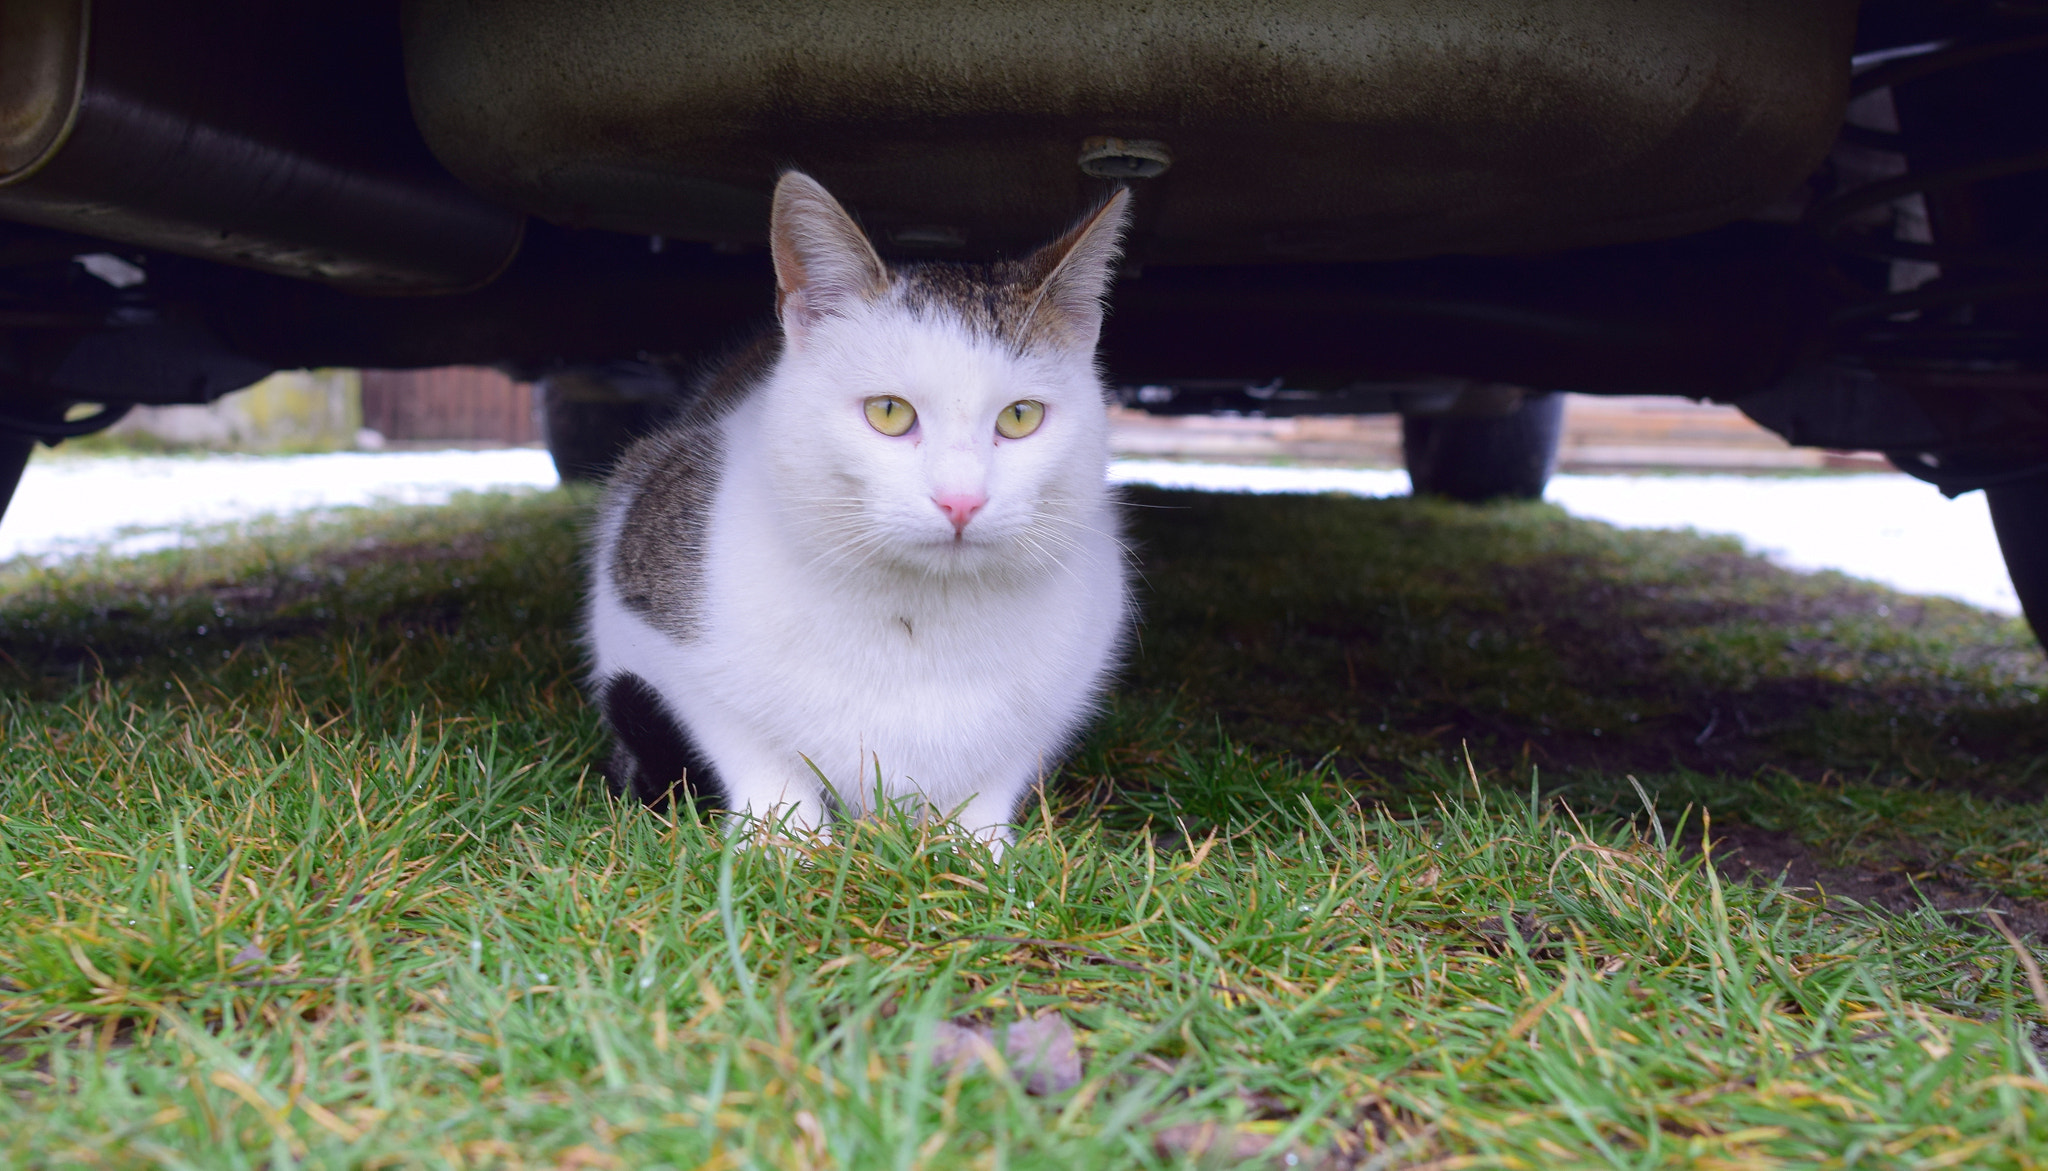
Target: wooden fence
454, 404
1601, 433
476, 406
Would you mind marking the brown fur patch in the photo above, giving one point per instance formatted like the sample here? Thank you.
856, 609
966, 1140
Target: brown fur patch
994, 300
669, 478
1040, 300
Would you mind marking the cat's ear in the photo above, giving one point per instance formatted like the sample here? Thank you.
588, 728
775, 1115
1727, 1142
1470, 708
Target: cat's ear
824, 264
1066, 309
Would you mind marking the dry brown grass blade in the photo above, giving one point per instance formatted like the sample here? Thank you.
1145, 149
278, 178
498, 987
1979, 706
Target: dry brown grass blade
1522, 1024
2026, 956
1102, 957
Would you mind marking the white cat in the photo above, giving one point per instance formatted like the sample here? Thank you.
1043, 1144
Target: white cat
880, 547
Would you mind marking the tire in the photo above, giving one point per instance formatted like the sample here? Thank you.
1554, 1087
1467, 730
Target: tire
1484, 457
587, 424
14, 453
2019, 511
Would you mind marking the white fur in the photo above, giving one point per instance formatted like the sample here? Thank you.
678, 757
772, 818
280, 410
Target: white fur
843, 624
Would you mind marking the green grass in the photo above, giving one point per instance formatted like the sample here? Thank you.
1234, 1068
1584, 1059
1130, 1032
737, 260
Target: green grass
304, 862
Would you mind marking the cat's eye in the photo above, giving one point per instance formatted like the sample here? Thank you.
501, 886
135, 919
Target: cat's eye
1020, 418
890, 415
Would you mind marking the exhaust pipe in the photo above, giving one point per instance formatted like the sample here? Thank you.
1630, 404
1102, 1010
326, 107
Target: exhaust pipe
271, 136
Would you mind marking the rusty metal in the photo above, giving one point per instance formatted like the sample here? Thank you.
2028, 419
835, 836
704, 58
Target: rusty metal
257, 134
1301, 130
1105, 157
42, 69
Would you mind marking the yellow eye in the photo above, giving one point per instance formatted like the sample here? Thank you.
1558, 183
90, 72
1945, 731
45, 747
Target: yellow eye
1019, 419
890, 415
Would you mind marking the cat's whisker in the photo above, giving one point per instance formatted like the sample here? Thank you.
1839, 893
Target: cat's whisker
1110, 535
849, 510
1042, 556
850, 552
1058, 533
1048, 557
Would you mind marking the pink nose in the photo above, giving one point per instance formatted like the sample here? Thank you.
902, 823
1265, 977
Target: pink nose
959, 508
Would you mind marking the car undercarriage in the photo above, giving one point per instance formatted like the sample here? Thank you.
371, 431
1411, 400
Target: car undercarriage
1832, 215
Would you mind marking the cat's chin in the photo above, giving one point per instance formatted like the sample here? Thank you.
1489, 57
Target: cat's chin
965, 556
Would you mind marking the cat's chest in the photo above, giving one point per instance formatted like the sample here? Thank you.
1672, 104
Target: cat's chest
772, 614
926, 631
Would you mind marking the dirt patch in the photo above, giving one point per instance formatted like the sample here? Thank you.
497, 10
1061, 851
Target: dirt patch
115, 628
1745, 853
1389, 632
1630, 638
324, 572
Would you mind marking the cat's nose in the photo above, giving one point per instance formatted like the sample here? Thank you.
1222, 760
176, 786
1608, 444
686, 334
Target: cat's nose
960, 507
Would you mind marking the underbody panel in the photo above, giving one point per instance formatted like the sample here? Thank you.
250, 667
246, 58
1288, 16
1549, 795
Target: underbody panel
1254, 132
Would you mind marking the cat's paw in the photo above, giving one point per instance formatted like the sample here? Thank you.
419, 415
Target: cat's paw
998, 839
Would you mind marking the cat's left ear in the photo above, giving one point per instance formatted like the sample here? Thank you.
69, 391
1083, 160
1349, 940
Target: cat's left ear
824, 265
1079, 266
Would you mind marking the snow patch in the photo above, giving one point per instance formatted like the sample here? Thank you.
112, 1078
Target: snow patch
1891, 529
1887, 528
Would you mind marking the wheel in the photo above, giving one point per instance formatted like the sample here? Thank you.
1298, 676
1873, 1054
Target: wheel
2019, 511
1484, 457
14, 452
588, 418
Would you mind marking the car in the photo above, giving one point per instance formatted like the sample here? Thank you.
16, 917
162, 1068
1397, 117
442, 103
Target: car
1832, 214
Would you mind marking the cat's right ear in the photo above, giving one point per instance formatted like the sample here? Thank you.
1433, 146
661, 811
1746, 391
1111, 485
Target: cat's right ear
824, 265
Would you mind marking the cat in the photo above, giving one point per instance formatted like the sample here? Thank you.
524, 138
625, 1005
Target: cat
877, 556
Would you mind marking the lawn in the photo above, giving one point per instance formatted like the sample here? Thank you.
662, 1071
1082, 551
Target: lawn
1387, 853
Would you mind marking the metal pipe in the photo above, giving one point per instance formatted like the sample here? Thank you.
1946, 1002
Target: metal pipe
275, 137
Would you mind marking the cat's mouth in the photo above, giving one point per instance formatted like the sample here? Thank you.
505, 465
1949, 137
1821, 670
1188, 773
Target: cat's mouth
971, 536
954, 547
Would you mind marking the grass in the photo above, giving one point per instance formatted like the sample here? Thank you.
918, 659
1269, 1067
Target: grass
1386, 854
